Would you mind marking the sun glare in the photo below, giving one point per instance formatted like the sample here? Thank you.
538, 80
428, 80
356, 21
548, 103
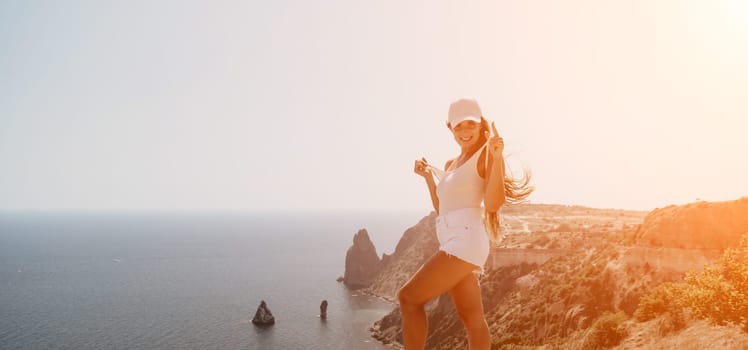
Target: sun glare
736, 13
721, 27
730, 19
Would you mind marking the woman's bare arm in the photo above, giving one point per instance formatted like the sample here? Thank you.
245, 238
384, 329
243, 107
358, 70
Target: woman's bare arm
432, 191
421, 168
495, 197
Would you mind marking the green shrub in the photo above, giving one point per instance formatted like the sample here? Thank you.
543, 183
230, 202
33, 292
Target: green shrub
673, 321
607, 331
718, 293
666, 297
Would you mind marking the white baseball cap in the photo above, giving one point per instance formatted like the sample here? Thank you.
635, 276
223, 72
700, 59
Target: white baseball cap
464, 109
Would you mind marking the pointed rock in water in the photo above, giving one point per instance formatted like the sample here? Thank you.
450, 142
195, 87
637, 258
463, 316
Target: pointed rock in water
323, 310
361, 262
263, 316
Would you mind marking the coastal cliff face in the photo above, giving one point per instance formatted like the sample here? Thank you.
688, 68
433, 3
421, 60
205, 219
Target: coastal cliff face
562, 290
417, 244
702, 225
362, 263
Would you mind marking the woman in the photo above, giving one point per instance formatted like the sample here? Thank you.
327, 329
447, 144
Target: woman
462, 226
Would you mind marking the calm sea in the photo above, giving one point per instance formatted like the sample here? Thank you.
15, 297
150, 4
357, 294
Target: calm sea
185, 280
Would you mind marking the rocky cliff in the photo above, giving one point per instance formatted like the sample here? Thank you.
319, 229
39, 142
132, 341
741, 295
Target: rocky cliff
362, 263
702, 225
417, 244
557, 296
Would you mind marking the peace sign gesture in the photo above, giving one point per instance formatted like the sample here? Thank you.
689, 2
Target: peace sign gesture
495, 142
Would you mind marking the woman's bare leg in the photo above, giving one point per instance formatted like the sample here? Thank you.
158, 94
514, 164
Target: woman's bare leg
439, 274
466, 297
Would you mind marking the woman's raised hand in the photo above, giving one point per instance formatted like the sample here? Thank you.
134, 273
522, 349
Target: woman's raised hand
421, 167
495, 143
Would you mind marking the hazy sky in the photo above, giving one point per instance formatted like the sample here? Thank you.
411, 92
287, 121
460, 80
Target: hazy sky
326, 104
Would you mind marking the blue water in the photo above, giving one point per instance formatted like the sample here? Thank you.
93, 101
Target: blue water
185, 280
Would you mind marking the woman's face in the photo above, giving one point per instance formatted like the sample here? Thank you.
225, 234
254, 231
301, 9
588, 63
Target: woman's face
467, 133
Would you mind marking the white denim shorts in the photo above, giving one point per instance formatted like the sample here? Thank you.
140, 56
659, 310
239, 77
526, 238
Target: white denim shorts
461, 233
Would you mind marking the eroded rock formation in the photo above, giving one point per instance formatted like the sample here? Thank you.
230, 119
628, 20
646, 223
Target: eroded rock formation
263, 316
417, 244
323, 310
362, 263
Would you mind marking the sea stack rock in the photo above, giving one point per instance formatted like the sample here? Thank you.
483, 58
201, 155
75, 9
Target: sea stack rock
361, 262
323, 310
263, 316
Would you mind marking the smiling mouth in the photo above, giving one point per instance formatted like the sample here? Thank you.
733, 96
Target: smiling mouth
466, 138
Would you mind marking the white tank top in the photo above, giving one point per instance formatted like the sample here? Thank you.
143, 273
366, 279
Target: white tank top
461, 187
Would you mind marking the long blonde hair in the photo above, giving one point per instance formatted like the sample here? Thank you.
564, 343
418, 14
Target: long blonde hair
516, 190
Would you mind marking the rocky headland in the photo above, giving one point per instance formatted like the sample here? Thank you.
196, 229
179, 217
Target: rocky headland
565, 273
